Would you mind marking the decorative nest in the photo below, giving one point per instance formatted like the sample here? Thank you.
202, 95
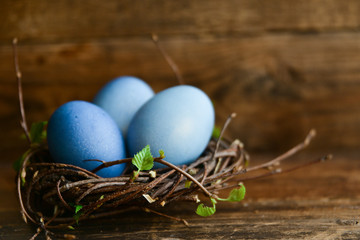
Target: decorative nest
49, 192
54, 195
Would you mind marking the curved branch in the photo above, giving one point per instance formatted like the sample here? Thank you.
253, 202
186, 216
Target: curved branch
160, 160
20, 92
287, 154
171, 63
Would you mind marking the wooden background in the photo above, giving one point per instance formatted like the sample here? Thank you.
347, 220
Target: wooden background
283, 66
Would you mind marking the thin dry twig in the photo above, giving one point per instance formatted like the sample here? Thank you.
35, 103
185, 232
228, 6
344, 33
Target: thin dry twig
167, 216
20, 92
287, 154
168, 59
61, 197
227, 122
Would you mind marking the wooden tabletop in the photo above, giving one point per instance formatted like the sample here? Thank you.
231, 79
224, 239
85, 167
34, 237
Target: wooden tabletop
316, 202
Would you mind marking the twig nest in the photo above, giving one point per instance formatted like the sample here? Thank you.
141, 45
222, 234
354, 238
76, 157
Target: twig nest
64, 193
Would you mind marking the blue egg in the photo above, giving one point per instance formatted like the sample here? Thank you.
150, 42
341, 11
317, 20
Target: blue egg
80, 130
178, 120
122, 98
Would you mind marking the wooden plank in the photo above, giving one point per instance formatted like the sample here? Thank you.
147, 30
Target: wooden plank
281, 86
259, 220
302, 58
39, 21
317, 202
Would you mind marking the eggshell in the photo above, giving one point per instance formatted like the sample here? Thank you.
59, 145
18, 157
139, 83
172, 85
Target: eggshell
178, 120
122, 98
80, 130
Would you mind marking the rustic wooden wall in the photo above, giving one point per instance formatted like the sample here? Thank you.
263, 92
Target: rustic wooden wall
284, 66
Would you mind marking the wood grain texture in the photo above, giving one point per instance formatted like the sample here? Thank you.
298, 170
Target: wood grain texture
75, 20
318, 202
284, 66
281, 85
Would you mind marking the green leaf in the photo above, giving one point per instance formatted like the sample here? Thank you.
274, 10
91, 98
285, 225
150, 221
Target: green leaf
78, 208
18, 162
71, 227
77, 217
101, 198
216, 132
38, 132
246, 163
188, 183
236, 195
134, 175
37, 136
206, 211
162, 154
77, 213
143, 160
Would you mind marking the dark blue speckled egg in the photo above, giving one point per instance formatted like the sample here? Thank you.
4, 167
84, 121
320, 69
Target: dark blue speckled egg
80, 130
178, 120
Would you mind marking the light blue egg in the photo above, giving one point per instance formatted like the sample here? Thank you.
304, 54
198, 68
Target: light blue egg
80, 130
178, 120
122, 98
